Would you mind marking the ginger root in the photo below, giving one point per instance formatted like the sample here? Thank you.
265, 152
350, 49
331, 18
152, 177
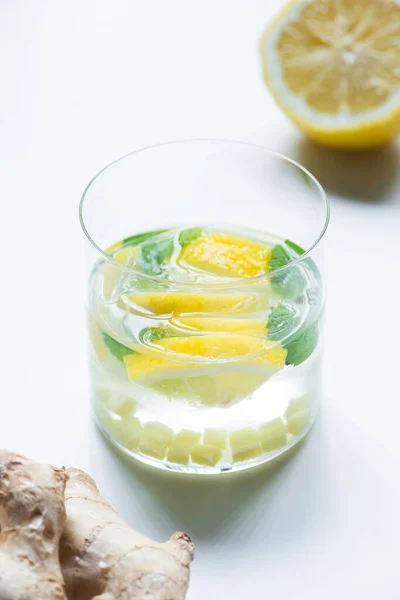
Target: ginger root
32, 518
102, 558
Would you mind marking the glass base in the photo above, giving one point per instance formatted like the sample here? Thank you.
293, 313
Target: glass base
204, 470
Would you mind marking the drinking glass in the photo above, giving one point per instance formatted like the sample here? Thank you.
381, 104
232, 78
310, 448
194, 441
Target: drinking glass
191, 369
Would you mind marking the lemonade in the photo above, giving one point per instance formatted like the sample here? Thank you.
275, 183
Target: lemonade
205, 346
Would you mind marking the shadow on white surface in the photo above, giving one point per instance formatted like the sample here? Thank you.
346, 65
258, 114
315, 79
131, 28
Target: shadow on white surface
367, 176
214, 507
294, 525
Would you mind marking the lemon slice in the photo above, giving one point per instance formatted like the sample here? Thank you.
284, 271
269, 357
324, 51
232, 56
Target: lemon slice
175, 303
97, 340
215, 383
334, 68
112, 274
227, 255
247, 326
221, 347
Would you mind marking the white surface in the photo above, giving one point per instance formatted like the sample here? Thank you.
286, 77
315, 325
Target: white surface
83, 82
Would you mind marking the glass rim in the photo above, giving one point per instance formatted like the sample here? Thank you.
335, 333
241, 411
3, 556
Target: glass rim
231, 283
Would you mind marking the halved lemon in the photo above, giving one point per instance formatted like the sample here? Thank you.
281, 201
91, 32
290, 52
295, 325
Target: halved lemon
217, 382
227, 255
334, 68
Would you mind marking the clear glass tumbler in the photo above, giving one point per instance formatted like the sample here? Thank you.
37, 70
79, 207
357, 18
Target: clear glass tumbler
205, 303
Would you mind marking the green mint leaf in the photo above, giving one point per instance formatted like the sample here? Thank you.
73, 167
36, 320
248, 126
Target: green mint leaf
308, 262
152, 334
157, 333
313, 296
302, 345
117, 349
305, 178
279, 257
134, 240
281, 322
290, 283
154, 255
189, 235
298, 249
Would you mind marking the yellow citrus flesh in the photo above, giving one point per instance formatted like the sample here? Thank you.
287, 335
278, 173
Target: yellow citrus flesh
111, 249
216, 325
175, 303
212, 347
334, 68
112, 273
227, 255
126, 255
217, 382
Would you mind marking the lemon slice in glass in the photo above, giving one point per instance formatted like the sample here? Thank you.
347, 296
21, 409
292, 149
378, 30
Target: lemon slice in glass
218, 325
112, 274
226, 255
176, 303
224, 368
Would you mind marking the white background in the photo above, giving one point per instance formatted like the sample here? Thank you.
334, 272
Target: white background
83, 82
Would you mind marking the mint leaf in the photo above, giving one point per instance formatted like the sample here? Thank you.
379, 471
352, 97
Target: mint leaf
134, 240
152, 334
279, 257
157, 333
290, 283
189, 235
313, 296
154, 255
298, 249
302, 345
308, 262
117, 349
281, 322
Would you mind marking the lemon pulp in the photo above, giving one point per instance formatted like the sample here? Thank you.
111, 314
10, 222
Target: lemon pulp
216, 382
334, 68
